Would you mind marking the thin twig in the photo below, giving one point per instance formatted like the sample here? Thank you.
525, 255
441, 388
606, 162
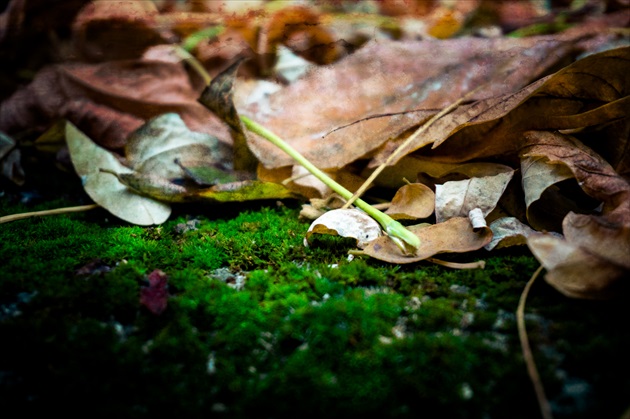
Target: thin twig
543, 403
421, 130
480, 264
15, 217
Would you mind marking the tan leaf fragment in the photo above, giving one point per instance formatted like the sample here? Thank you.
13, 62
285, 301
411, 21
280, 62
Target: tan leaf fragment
576, 272
458, 198
346, 223
455, 235
508, 231
411, 202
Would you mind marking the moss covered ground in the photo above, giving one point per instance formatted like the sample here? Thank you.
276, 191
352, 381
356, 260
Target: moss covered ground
259, 326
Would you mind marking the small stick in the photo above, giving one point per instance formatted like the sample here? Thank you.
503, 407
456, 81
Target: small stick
15, 217
545, 407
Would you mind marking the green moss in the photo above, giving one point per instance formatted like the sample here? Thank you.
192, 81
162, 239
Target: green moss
305, 332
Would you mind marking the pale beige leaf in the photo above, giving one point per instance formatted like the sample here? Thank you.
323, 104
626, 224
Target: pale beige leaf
346, 223
104, 188
458, 198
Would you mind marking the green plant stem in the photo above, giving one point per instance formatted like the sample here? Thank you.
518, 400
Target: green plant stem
393, 228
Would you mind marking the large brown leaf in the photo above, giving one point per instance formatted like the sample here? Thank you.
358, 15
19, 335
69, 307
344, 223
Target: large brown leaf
390, 77
108, 101
592, 91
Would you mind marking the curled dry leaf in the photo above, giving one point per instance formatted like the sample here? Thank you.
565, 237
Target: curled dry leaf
540, 176
589, 92
455, 235
458, 198
104, 188
576, 272
351, 223
592, 259
411, 202
508, 231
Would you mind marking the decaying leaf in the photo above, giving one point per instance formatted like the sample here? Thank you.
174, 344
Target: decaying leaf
104, 188
156, 171
576, 272
108, 101
593, 257
412, 202
591, 91
508, 231
455, 235
346, 223
385, 78
155, 295
458, 198
217, 97
538, 177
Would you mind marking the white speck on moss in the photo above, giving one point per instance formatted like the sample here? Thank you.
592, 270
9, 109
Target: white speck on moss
465, 391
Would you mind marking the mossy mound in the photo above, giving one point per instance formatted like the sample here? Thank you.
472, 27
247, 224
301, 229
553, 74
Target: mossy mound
257, 325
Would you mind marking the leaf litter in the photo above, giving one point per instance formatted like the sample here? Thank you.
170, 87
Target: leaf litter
139, 137
536, 153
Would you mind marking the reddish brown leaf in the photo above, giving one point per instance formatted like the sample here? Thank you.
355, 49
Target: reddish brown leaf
105, 30
96, 97
155, 296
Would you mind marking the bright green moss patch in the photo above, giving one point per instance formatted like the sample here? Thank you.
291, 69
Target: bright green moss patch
257, 325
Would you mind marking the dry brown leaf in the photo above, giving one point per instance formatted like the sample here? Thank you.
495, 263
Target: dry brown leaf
589, 92
412, 202
455, 235
546, 205
105, 30
458, 198
508, 231
95, 96
607, 234
575, 272
389, 77
593, 258
351, 223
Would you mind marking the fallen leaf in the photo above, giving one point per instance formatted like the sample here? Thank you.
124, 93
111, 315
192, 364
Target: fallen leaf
104, 188
590, 92
390, 77
155, 296
411, 202
106, 31
575, 272
218, 97
546, 204
458, 198
247, 190
351, 223
455, 235
108, 101
508, 231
